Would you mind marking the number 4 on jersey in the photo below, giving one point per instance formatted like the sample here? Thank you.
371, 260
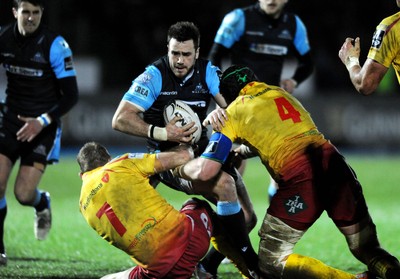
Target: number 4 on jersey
286, 110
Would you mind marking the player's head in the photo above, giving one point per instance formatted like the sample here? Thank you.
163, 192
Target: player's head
91, 156
17, 3
28, 14
183, 42
234, 79
273, 10
184, 31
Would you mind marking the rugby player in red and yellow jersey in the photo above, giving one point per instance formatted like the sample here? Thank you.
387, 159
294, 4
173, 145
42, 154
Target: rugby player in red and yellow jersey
118, 202
312, 175
384, 51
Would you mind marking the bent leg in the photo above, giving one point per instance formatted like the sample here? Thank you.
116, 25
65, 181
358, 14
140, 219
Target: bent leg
277, 260
363, 243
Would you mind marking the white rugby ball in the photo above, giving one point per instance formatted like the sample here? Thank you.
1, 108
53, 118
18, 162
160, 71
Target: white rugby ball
180, 108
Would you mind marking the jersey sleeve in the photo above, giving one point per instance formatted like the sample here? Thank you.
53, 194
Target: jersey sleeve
300, 41
61, 58
231, 29
385, 47
213, 78
145, 88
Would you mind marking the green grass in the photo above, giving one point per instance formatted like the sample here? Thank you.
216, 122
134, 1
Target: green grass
74, 250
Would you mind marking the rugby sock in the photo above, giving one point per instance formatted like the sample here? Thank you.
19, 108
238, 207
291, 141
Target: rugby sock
41, 201
235, 224
302, 267
3, 213
212, 260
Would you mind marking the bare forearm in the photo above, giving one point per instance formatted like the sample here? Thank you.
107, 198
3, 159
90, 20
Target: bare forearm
130, 124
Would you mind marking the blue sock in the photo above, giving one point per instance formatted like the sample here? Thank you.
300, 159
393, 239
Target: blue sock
38, 197
3, 203
228, 208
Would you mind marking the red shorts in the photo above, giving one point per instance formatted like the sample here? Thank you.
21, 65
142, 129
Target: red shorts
318, 180
198, 212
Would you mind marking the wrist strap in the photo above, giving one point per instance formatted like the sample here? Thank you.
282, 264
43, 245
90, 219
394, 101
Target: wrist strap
352, 61
157, 133
44, 119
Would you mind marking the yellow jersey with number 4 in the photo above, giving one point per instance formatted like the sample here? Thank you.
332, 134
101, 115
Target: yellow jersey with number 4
271, 122
385, 47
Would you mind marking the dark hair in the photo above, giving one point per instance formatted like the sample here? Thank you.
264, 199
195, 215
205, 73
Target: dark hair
234, 79
92, 155
17, 3
184, 31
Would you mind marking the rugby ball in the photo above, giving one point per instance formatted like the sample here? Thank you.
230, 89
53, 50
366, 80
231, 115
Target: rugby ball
181, 109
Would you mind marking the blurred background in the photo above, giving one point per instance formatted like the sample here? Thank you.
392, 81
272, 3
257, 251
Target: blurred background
113, 41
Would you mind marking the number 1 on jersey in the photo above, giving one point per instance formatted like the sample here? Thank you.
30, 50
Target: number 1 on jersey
112, 217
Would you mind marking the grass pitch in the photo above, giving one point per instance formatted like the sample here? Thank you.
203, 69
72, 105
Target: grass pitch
74, 250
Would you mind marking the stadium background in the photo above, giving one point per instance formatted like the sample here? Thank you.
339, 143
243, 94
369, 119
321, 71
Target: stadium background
113, 41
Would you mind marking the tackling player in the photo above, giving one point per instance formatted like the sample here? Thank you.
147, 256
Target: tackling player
312, 175
119, 203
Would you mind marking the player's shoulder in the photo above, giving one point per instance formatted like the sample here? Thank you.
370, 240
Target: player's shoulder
6, 29
49, 33
235, 16
390, 22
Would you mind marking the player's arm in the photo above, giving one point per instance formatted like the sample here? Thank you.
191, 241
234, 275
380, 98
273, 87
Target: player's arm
365, 79
209, 164
304, 69
173, 158
217, 53
217, 117
128, 119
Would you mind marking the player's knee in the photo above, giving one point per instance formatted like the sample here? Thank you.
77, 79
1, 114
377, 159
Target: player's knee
277, 241
23, 198
251, 221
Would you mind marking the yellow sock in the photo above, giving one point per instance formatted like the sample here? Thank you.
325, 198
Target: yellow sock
302, 267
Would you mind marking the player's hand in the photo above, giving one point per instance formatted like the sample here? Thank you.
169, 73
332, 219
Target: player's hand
350, 49
288, 84
30, 130
216, 119
182, 134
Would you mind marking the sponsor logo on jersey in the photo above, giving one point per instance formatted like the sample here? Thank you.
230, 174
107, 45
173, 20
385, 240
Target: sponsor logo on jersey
199, 89
269, 49
285, 34
199, 104
142, 91
23, 71
38, 57
255, 33
377, 39
92, 193
64, 44
68, 64
144, 78
169, 93
295, 205
147, 225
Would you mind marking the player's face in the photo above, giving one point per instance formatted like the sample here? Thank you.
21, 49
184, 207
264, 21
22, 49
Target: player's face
273, 8
398, 3
181, 57
28, 17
